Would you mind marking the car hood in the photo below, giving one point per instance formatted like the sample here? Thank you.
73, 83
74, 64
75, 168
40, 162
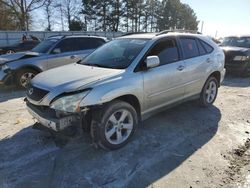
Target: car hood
234, 49
72, 77
17, 56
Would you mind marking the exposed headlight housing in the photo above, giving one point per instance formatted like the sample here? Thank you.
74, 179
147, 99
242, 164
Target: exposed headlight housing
69, 103
4, 67
241, 58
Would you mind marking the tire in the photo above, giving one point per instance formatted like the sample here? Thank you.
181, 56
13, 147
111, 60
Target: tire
22, 74
105, 131
209, 92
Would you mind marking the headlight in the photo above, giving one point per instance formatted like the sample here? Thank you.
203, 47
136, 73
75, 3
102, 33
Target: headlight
241, 58
69, 103
4, 67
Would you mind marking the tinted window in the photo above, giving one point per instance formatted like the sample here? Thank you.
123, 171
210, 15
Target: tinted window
89, 43
76, 44
45, 46
202, 50
167, 51
208, 48
190, 48
66, 45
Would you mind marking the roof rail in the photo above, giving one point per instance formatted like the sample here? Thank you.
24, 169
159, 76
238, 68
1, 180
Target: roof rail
63, 36
178, 31
132, 33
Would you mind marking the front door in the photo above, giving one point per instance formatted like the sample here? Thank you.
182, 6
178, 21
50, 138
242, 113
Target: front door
164, 84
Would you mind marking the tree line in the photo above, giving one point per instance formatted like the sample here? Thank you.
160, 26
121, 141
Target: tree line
99, 15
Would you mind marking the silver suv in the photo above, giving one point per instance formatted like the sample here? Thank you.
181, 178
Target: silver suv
124, 82
20, 68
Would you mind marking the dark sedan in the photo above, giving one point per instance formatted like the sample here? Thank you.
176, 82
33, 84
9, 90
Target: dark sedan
237, 54
19, 47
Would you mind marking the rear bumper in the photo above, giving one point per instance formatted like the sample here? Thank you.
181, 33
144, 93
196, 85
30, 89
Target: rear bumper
56, 124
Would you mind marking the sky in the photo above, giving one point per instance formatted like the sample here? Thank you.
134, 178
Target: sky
220, 17
226, 17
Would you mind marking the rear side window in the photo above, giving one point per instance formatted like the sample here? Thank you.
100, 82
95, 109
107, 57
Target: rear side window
208, 48
202, 50
190, 48
166, 50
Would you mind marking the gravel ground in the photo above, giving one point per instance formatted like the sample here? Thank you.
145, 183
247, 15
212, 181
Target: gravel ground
187, 146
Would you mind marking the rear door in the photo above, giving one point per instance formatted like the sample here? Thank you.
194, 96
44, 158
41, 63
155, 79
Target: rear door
197, 61
164, 84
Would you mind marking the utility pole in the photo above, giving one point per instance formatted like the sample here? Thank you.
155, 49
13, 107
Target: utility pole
62, 17
216, 34
202, 24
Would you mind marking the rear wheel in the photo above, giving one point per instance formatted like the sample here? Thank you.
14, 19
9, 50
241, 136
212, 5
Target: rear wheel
113, 126
209, 92
24, 76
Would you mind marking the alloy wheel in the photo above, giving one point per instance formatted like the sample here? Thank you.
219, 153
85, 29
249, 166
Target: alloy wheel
119, 127
211, 92
26, 78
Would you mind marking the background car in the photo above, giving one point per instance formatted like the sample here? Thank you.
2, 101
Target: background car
23, 45
20, 68
237, 53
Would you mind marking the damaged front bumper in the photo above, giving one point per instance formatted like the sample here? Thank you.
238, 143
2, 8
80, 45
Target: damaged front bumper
51, 119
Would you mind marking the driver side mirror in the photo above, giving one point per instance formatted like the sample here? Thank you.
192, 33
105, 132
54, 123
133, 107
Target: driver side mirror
56, 51
152, 61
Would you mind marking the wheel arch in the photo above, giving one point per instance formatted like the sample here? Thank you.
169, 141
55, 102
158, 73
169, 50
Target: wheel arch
217, 75
32, 67
133, 101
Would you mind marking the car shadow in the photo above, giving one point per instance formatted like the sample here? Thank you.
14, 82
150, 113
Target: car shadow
10, 92
236, 81
30, 158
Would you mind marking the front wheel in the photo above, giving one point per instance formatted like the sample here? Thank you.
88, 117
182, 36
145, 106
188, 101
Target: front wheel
209, 92
113, 125
23, 77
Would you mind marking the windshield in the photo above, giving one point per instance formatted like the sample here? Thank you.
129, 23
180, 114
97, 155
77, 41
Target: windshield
117, 54
44, 46
236, 41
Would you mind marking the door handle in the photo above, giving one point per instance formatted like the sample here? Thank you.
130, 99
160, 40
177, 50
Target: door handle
209, 60
180, 68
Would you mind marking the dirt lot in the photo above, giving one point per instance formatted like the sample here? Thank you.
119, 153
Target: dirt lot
187, 146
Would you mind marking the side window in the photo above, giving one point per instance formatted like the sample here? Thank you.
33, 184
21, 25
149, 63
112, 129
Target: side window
202, 50
166, 50
190, 48
95, 43
89, 43
66, 45
208, 48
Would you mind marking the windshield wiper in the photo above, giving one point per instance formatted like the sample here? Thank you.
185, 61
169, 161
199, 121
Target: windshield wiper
96, 65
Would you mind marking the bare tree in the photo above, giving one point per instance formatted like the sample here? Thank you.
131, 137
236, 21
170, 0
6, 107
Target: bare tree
48, 12
22, 10
71, 9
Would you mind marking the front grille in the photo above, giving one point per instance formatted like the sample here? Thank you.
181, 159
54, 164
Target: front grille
35, 93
